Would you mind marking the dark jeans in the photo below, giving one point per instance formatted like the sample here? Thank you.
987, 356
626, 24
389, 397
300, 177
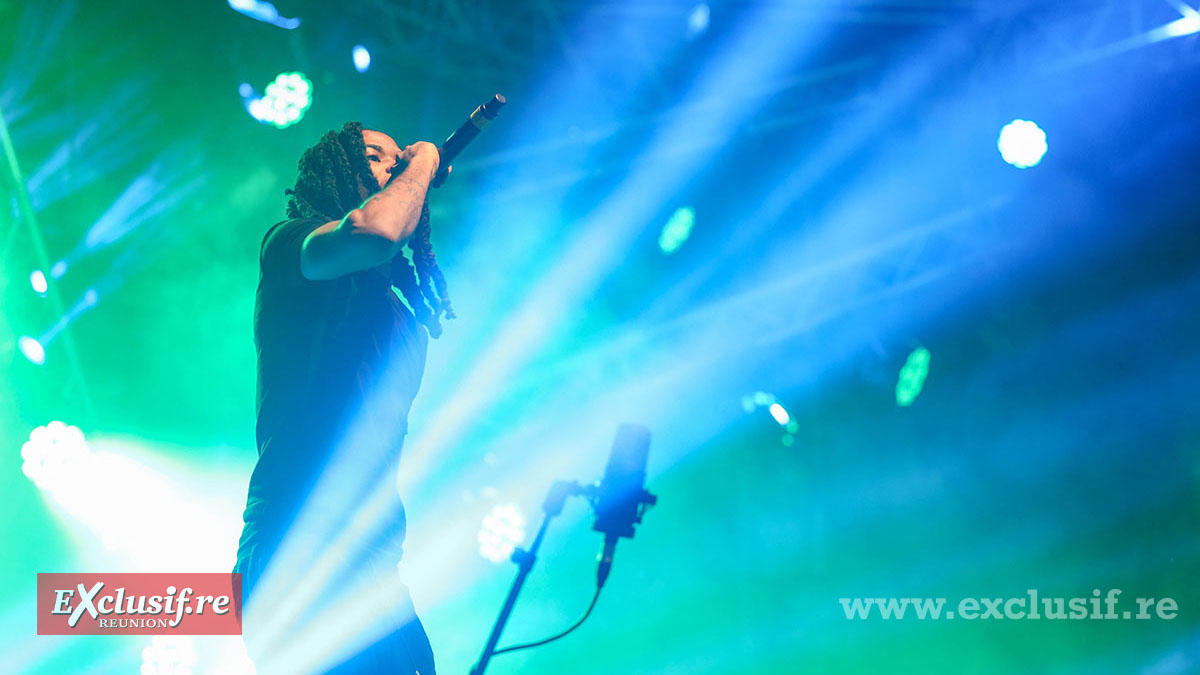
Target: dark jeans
404, 649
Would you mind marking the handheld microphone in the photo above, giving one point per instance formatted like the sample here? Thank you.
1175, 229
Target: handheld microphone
455, 142
621, 496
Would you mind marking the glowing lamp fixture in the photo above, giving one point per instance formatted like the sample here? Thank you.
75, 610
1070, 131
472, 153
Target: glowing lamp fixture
284, 102
677, 230
362, 58
912, 377
1022, 143
502, 531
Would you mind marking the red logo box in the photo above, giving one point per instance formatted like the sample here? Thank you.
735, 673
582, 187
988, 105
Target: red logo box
139, 604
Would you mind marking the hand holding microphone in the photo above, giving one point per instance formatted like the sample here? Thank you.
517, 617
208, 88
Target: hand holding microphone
443, 155
416, 152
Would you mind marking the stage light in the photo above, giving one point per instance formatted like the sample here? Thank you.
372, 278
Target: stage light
265, 12
169, 655
32, 349
362, 58
761, 399
1185, 26
790, 425
789, 437
58, 269
37, 279
698, 20
777, 411
245, 90
51, 453
1022, 143
677, 230
912, 377
502, 531
284, 102
101, 488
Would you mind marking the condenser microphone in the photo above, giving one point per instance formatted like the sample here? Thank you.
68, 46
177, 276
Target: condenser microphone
621, 496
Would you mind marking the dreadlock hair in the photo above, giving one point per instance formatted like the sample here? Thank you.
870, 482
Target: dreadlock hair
335, 179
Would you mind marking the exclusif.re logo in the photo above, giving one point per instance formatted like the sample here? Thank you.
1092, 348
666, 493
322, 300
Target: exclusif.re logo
139, 604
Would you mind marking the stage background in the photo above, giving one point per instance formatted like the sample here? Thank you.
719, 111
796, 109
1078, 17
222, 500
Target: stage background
834, 169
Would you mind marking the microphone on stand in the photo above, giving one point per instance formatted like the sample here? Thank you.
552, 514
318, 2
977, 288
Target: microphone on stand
619, 500
455, 142
621, 497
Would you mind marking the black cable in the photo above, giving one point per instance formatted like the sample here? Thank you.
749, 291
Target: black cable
563, 634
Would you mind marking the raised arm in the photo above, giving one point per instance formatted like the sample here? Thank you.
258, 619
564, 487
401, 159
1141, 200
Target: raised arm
374, 232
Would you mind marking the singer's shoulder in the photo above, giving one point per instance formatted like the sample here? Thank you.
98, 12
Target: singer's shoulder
279, 254
289, 228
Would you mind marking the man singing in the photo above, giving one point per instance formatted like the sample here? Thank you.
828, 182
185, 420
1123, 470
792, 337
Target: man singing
340, 360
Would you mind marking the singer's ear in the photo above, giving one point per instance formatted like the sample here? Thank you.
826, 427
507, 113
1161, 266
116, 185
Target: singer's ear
441, 176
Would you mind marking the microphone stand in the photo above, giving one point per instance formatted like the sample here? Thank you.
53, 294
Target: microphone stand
524, 559
619, 501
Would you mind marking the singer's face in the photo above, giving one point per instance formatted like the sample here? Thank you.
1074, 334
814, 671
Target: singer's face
382, 154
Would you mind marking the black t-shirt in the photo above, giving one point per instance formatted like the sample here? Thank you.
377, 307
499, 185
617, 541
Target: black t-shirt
339, 363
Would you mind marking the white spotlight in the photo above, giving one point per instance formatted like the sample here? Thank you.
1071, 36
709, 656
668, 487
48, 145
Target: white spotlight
52, 454
37, 279
698, 20
503, 529
362, 58
1022, 143
1186, 26
779, 413
32, 349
